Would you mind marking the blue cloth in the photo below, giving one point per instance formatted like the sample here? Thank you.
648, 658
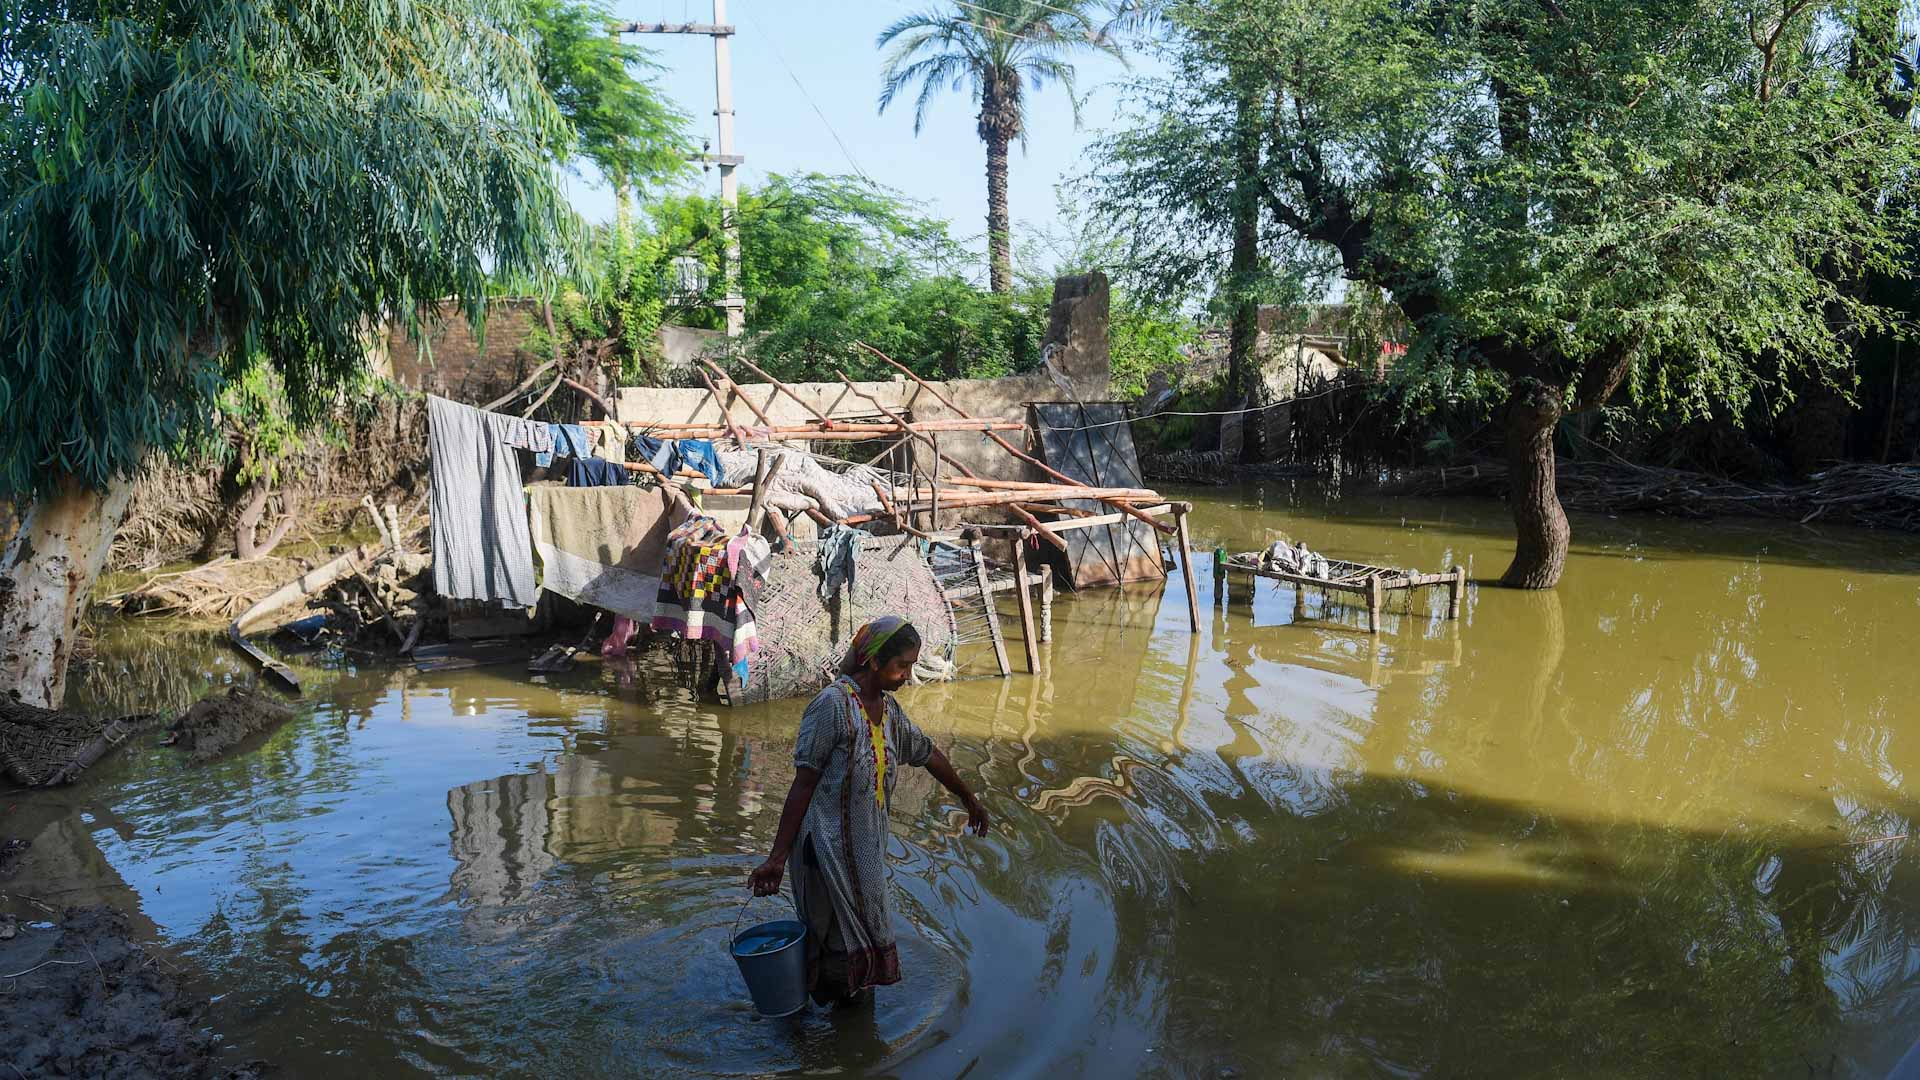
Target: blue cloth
569, 440
700, 456
591, 471
662, 454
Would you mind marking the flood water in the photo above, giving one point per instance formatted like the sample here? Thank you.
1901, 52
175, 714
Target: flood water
1650, 824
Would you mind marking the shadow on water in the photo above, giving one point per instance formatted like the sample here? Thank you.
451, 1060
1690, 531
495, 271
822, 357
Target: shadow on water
1651, 824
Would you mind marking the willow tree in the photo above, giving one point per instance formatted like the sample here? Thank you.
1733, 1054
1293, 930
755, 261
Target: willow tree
999, 51
193, 183
1569, 199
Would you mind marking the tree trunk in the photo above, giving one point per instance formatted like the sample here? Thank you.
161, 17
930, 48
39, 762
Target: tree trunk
999, 231
46, 574
1541, 533
1243, 367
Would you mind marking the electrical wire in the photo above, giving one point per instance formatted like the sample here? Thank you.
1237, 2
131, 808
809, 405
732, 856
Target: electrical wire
798, 85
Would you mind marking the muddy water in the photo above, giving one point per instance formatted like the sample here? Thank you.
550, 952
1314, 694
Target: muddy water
1635, 827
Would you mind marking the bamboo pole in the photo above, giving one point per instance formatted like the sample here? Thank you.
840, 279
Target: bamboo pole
787, 390
902, 421
1038, 494
844, 429
727, 381
1036, 524
726, 414
1069, 511
1121, 506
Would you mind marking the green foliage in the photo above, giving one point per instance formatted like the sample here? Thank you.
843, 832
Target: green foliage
621, 122
996, 49
1558, 192
825, 261
1143, 342
255, 411
192, 184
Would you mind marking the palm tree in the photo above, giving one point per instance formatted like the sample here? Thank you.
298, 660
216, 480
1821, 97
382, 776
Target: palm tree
999, 49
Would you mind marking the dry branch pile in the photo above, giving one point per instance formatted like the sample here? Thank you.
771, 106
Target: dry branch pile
1880, 496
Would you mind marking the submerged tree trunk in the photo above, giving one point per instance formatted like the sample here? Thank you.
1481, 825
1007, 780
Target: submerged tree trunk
1540, 548
999, 231
46, 574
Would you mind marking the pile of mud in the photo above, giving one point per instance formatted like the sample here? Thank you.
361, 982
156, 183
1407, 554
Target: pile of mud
40, 747
82, 999
218, 721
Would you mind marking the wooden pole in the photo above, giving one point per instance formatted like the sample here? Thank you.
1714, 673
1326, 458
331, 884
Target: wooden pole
1186, 565
1375, 601
787, 390
1046, 604
728, 382
726, 414
1457, 592
1039, 526
593, 397
1028, 639
993, 614
933, 490
760, 476
902, 421
1007, 446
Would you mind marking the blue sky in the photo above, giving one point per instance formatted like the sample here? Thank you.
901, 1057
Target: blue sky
828, 47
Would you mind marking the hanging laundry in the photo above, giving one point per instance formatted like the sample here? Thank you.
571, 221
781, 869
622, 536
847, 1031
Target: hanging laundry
518, 431
602, 546
568, 440
836, 559
481, 547
662, 454
701, 589
595, 472
700, 456
610, 441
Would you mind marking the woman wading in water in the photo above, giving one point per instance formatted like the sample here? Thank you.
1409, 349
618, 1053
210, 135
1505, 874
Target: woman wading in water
853, 738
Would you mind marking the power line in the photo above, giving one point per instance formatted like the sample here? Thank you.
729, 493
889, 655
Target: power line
798, 85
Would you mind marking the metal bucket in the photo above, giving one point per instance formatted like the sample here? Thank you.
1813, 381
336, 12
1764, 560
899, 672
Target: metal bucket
777, 977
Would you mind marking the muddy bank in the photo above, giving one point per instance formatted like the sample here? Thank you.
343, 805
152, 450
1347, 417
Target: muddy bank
82, 999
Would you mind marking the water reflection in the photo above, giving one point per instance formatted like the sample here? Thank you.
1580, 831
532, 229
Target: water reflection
1637, 826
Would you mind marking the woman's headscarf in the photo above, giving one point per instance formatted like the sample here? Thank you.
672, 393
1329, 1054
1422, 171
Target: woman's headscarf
868, 642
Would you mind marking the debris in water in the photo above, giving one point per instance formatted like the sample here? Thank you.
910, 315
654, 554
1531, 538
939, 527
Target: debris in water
86, 1000
218, 721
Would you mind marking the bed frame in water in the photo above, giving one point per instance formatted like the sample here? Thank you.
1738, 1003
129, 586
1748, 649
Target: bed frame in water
1361, 579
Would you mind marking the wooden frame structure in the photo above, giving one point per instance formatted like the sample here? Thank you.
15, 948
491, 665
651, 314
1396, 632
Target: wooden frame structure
1036, 505
1371, 582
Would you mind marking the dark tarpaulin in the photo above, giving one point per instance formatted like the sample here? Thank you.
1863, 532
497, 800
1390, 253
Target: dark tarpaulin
1093, 443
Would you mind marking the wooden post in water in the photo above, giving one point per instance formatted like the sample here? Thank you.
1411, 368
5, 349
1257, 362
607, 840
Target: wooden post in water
1457, 592
1186, 565
1376, 599
993, 616
1046, 604
1025, 600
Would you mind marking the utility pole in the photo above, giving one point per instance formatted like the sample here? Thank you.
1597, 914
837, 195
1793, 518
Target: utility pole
733, 303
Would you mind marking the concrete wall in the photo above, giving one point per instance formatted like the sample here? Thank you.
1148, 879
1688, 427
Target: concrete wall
456, 364
1076, 341
997, 399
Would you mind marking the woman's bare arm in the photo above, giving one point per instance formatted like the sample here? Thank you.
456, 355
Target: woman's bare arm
942, 770
765, 879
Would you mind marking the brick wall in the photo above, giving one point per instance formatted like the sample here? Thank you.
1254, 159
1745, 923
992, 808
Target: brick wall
456, 365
